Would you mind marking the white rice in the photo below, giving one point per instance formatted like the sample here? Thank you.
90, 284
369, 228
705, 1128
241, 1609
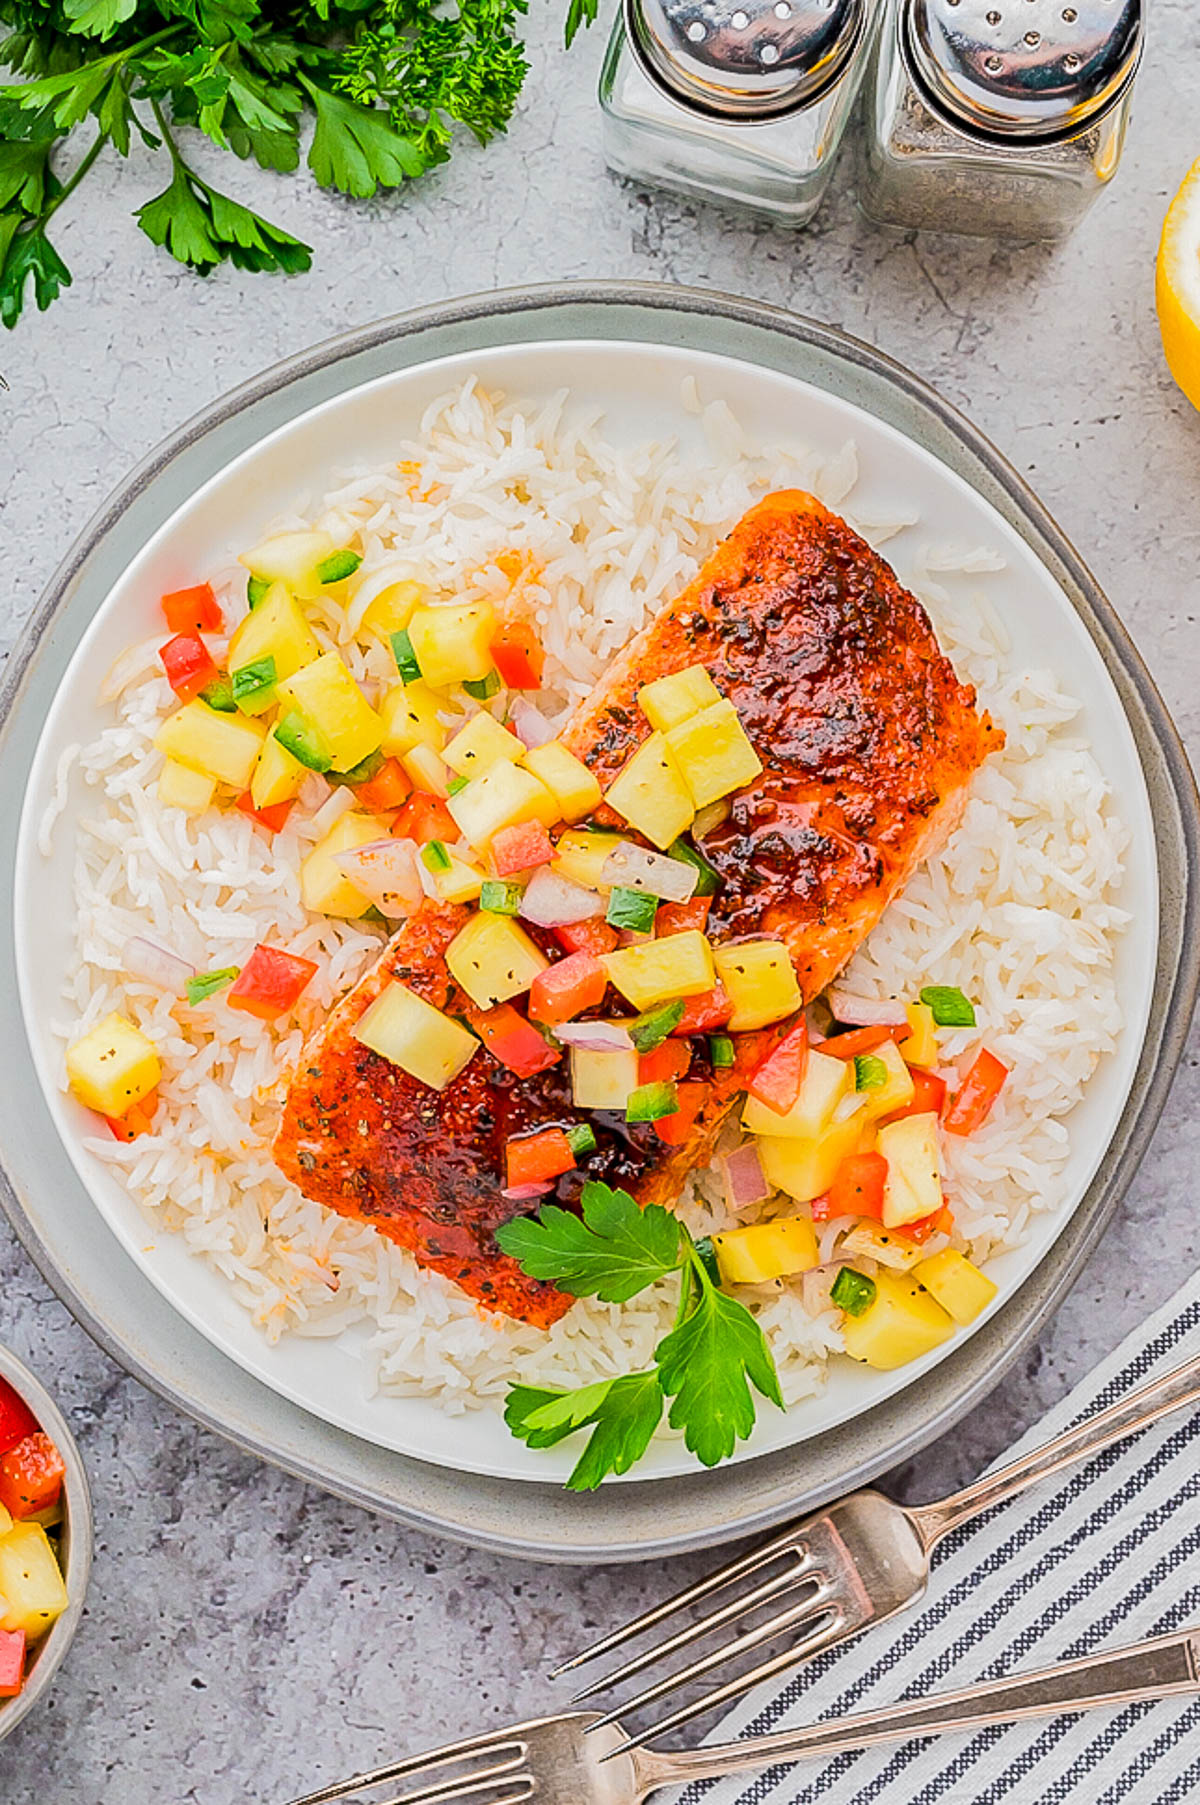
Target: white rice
1018, 909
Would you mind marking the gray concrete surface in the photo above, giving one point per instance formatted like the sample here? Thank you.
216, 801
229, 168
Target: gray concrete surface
246, 1635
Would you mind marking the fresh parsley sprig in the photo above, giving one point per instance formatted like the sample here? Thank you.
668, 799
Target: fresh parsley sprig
704, 1369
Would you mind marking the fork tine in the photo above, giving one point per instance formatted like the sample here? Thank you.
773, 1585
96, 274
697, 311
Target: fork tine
469, 1786
817, 1606
703, 1588
414, 1766
791, 1656
704, 1626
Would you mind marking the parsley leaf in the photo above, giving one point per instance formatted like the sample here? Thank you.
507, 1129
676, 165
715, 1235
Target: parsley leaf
201, 227
612, 1251
98, 18
29, 258
355, 149
706, 1365
625, 1413
579, 12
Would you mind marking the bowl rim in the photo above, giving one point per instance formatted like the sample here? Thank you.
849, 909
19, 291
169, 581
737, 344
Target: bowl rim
485, 1516
78, 1540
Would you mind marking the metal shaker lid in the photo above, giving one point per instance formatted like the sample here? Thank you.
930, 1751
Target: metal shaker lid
745, 59
1023, 68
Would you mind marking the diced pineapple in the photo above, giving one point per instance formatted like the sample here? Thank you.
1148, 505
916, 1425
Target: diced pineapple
957, 1283
324, 886
453, 643
410, 718
481, 744
329, 700
409, 1032
503, 797
826, 1082
276, 629
392, 609
649, 792
33, 1593
913, 1189
901, 1323
224, 746
761, 981
713, 753
291, 558
660, 970
672, 699
763, 1251
179, 787
426, 770
582, 857
113, 1067
493, 959
278, 776
462, 883
920, 1046
568, 780
806, 1168
603, 1080
896, 1092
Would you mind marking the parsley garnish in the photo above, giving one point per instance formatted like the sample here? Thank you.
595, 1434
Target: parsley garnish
705, 1366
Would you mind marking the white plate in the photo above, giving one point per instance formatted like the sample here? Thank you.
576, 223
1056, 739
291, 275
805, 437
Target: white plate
639, 387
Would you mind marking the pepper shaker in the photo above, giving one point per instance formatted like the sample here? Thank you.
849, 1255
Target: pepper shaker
744, 102
997, 117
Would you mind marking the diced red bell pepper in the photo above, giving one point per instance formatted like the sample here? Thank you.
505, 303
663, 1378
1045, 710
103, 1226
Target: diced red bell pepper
138, 1119
273, 818
31, 1476
776, 1081
194, 610
703, 1014
857, 1188
863, 1040
518, 656
678, 918
752, 1049
515, 1042
940, 1223
929, 1095
593, 936
674, 1130
189, 665
520, 848
565, 989
424, 818
533, 1158
972, 1102
665, 1063
819, 1209
12, 1662
388, 789
270, 983
16, 1418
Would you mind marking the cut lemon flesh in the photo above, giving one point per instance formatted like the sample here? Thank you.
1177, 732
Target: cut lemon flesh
1178, 286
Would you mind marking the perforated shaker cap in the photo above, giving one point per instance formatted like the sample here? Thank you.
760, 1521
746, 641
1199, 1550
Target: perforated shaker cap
745, 59
1023, 69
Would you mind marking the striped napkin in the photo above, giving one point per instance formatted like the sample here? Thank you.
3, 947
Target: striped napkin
1101, 1556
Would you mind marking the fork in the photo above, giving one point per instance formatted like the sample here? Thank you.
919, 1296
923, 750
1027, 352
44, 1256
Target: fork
560, 1761
858, 1562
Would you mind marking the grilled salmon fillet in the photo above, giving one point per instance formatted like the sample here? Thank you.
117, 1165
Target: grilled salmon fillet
868, 743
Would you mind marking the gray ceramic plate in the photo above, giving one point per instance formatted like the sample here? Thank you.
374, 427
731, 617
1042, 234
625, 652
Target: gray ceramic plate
113, 1297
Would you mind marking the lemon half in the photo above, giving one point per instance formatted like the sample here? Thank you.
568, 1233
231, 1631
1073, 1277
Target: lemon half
1177, 286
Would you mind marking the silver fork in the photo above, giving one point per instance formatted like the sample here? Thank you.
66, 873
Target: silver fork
856, 1563
559, 1761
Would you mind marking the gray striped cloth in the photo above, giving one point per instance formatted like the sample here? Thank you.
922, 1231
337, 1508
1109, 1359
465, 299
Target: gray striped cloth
1101, 1556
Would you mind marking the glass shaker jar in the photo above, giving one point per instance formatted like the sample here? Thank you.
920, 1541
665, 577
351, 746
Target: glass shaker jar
997, 117
743, 102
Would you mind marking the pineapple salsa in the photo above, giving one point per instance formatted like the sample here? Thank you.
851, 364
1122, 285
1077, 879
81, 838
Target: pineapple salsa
429, 791
33, 1594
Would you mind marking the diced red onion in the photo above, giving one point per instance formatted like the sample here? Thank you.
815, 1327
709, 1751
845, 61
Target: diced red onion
551, 901
710, 816
745, 1182
331, 810
831, 1233
314, 790
594, 1037
672, 880
849, 1105
155, 964
815, 1287
521, 1193
388, 871
533, 729
866, 1012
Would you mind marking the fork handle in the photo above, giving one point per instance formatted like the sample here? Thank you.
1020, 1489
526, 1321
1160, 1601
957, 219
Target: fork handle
1167, 1667
1170, 1392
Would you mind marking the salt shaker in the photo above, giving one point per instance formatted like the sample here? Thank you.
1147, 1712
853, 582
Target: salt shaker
997, 117
739, 101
